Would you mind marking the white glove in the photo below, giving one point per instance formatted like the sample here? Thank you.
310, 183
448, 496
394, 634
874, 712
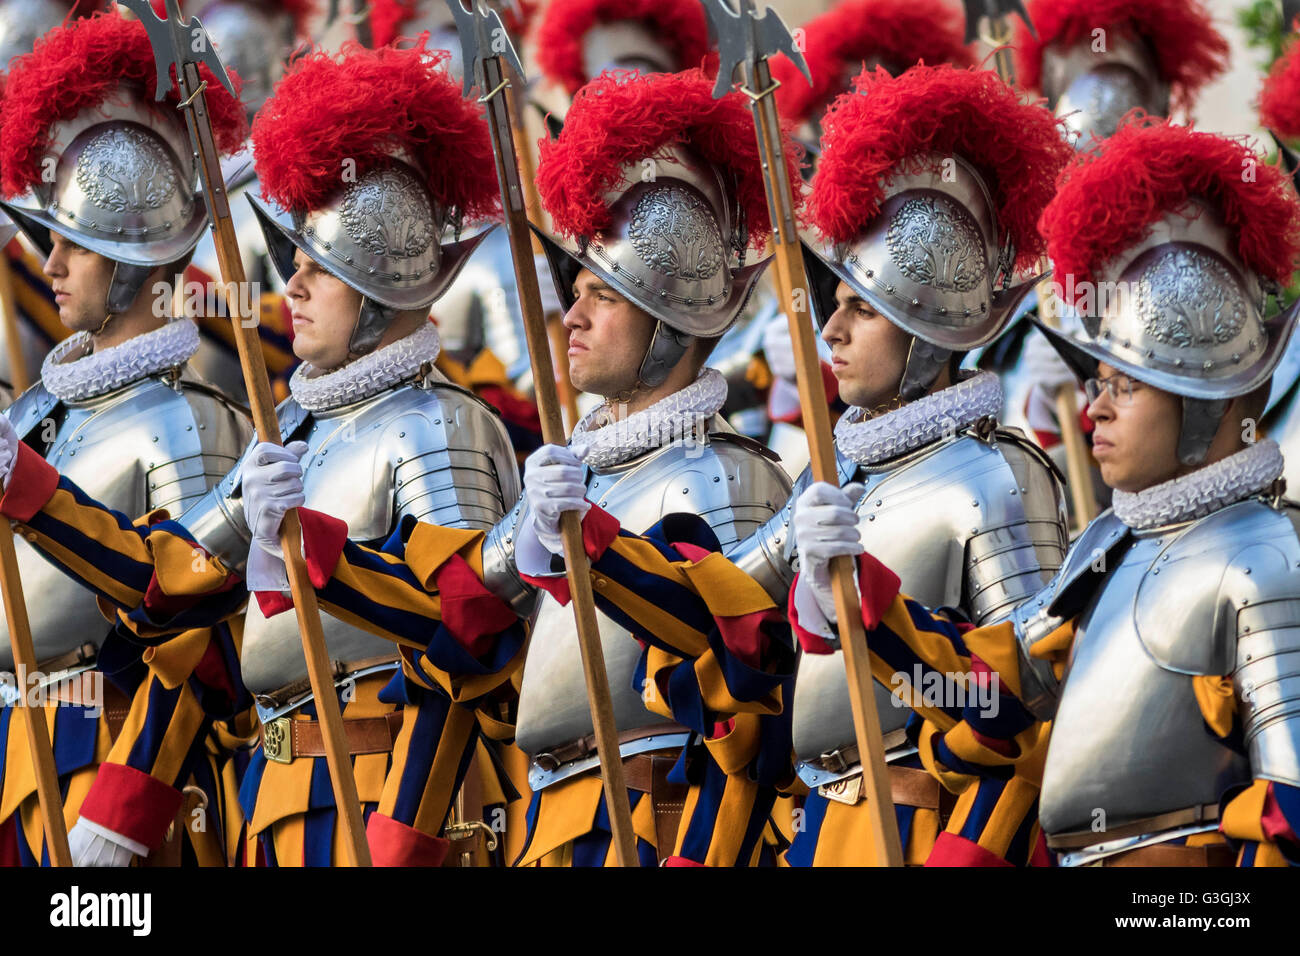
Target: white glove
825, 526
94, 845
272, 482
778, 348
1044, 365
8, 450
552, 485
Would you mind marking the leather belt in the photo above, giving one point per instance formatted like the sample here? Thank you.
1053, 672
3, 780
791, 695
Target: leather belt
285, 739
648, 773
908, 787
1163, 854
1079, 839
585, 747
338, 669
85, 654
838, 761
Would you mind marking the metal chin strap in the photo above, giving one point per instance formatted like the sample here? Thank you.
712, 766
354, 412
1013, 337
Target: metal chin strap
125, 286
667, 347
373, 321
924, 363
1201, 420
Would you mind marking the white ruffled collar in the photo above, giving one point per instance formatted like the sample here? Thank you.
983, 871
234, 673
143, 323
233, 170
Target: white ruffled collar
602, 440
369, 375
1203, 491
72, 373
869, 441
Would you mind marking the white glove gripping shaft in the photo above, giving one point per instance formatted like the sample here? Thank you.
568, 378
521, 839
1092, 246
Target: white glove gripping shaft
825, 526
93, 845
272, 483
553, 484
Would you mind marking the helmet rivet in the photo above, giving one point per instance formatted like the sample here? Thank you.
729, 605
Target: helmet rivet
1208, 365
372, 271
1178, 363
943, 310
690, 301
348, 260
1236, 356
870, 274
663, 293
967, 312
916, 302
889, 289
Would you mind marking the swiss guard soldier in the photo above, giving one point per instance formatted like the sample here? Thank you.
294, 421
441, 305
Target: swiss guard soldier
373, 160
1163, 651
1096, 60
102, 181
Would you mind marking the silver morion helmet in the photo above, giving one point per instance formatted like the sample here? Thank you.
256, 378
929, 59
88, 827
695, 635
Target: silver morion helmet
118, 180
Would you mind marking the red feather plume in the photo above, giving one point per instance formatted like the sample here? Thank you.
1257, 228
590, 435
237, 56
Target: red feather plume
679, 23
389, 18
899, 32
1189, 51
618, 119
362, 105
75, 67
1110, 196
1017, 148
1279, 102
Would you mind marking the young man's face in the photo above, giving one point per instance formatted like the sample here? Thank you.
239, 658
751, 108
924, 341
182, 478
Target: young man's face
80, 280
1136, 438
325, 311
608, 338
868, 352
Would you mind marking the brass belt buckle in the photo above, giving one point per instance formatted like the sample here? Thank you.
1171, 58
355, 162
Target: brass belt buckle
277, 740
848, 790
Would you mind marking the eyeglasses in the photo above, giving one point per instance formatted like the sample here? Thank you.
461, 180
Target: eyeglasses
1119, 387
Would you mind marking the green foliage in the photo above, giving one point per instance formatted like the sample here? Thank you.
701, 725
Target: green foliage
1262, 23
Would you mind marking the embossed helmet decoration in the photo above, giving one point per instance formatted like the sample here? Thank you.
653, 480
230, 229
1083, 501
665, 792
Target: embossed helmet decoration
577, 40
657, 188
1168, 256
394, 19
254, 37
1095, 60
865, 34
86, 152
375, 162
926, 202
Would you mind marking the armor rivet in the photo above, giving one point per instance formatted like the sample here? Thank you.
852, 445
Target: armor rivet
202, 427
663, 293
686, 491
943, 311
916, 302
879, 501
1236, 357
189, 428
603, 502
975, 503
372, 270
716, 478
1248, 570
437, 421
1154, 571
967, 312
870, 274
80, 437
974, 530
1178, 363
155, 437
1245, 601
889, 289
1246, 630
399, 461
401, 434
1208, 365
1013, 491
871, 517
1040, 602
399, 483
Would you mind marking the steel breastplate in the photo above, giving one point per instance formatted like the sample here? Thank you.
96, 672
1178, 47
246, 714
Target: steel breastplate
730, 484
144, 446
964, 524
1128, 739
435, 453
